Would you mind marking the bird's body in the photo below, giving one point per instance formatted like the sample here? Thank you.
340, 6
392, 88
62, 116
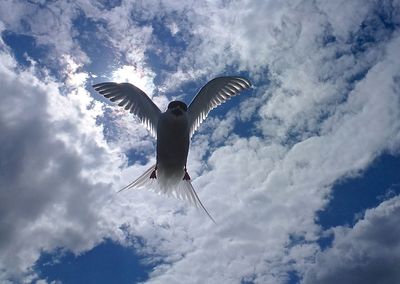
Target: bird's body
173, 130
172, 147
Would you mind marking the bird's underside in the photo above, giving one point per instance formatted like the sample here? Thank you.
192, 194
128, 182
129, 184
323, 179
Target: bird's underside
173, 129
172, 146
169, 175
175, 185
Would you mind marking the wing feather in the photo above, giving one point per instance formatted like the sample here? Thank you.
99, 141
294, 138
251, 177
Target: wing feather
132, 99
213, 94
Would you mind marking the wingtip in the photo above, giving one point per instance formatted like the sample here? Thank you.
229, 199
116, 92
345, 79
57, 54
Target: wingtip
99, 86
249, 85
245, 81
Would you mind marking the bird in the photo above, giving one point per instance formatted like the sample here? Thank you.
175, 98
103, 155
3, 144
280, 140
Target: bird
173, 130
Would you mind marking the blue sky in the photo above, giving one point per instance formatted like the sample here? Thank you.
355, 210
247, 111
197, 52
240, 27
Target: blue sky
301, 172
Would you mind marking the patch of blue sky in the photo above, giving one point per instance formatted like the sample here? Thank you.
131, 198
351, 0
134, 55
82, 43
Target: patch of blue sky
166, 38
325, 241
246, 128
294, 277
91, 42
108, 262
138, 156
248, 280
110, 4
328, 39
351, 197
375, 29
241, 128
167, 45
186, 91
24, 47
112, 132
378, 27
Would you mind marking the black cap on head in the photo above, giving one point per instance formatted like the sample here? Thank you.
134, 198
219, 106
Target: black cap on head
175, 104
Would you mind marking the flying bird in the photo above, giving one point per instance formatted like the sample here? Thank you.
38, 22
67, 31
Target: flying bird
173, 130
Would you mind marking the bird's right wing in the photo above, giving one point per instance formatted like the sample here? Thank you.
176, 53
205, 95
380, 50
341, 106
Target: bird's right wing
214, 93
133, 99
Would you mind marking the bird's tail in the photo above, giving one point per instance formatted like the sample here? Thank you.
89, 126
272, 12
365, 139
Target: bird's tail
141, 181
178, 184
177, 187
186, 191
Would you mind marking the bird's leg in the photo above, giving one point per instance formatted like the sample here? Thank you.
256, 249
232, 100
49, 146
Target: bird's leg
186, 176
153, 174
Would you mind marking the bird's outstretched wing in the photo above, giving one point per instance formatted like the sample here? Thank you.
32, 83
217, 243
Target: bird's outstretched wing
133, 99
214, 93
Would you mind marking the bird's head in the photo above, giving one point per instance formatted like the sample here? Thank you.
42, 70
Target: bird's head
177, 107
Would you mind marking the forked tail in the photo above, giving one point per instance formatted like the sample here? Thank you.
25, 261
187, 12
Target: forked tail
142, 180
180, 188
194, 198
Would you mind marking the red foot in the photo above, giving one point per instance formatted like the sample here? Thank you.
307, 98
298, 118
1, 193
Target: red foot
153, 174
186, 177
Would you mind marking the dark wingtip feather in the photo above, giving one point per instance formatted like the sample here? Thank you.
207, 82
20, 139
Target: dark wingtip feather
99, 86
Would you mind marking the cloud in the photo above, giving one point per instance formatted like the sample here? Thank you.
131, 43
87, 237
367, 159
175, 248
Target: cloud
51, 25
368, 252
325, 124
324, 105
50, 176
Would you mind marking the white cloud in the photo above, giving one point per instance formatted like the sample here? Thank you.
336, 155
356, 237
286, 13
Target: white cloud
54, 169
140, 78
51, 25
263, 192
320, 121
367, 253
352, 15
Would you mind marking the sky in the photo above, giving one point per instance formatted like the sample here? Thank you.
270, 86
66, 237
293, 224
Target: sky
301, 172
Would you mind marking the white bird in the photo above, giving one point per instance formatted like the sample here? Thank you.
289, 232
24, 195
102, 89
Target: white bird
173, 130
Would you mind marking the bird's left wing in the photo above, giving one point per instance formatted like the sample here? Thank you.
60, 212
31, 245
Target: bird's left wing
133, 99
214, 93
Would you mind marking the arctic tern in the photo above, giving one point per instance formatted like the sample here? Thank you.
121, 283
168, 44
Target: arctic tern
173, 130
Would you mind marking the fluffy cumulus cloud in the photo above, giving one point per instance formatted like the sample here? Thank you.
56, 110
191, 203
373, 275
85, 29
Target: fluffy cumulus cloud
325, 104
367, 252
49, 168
